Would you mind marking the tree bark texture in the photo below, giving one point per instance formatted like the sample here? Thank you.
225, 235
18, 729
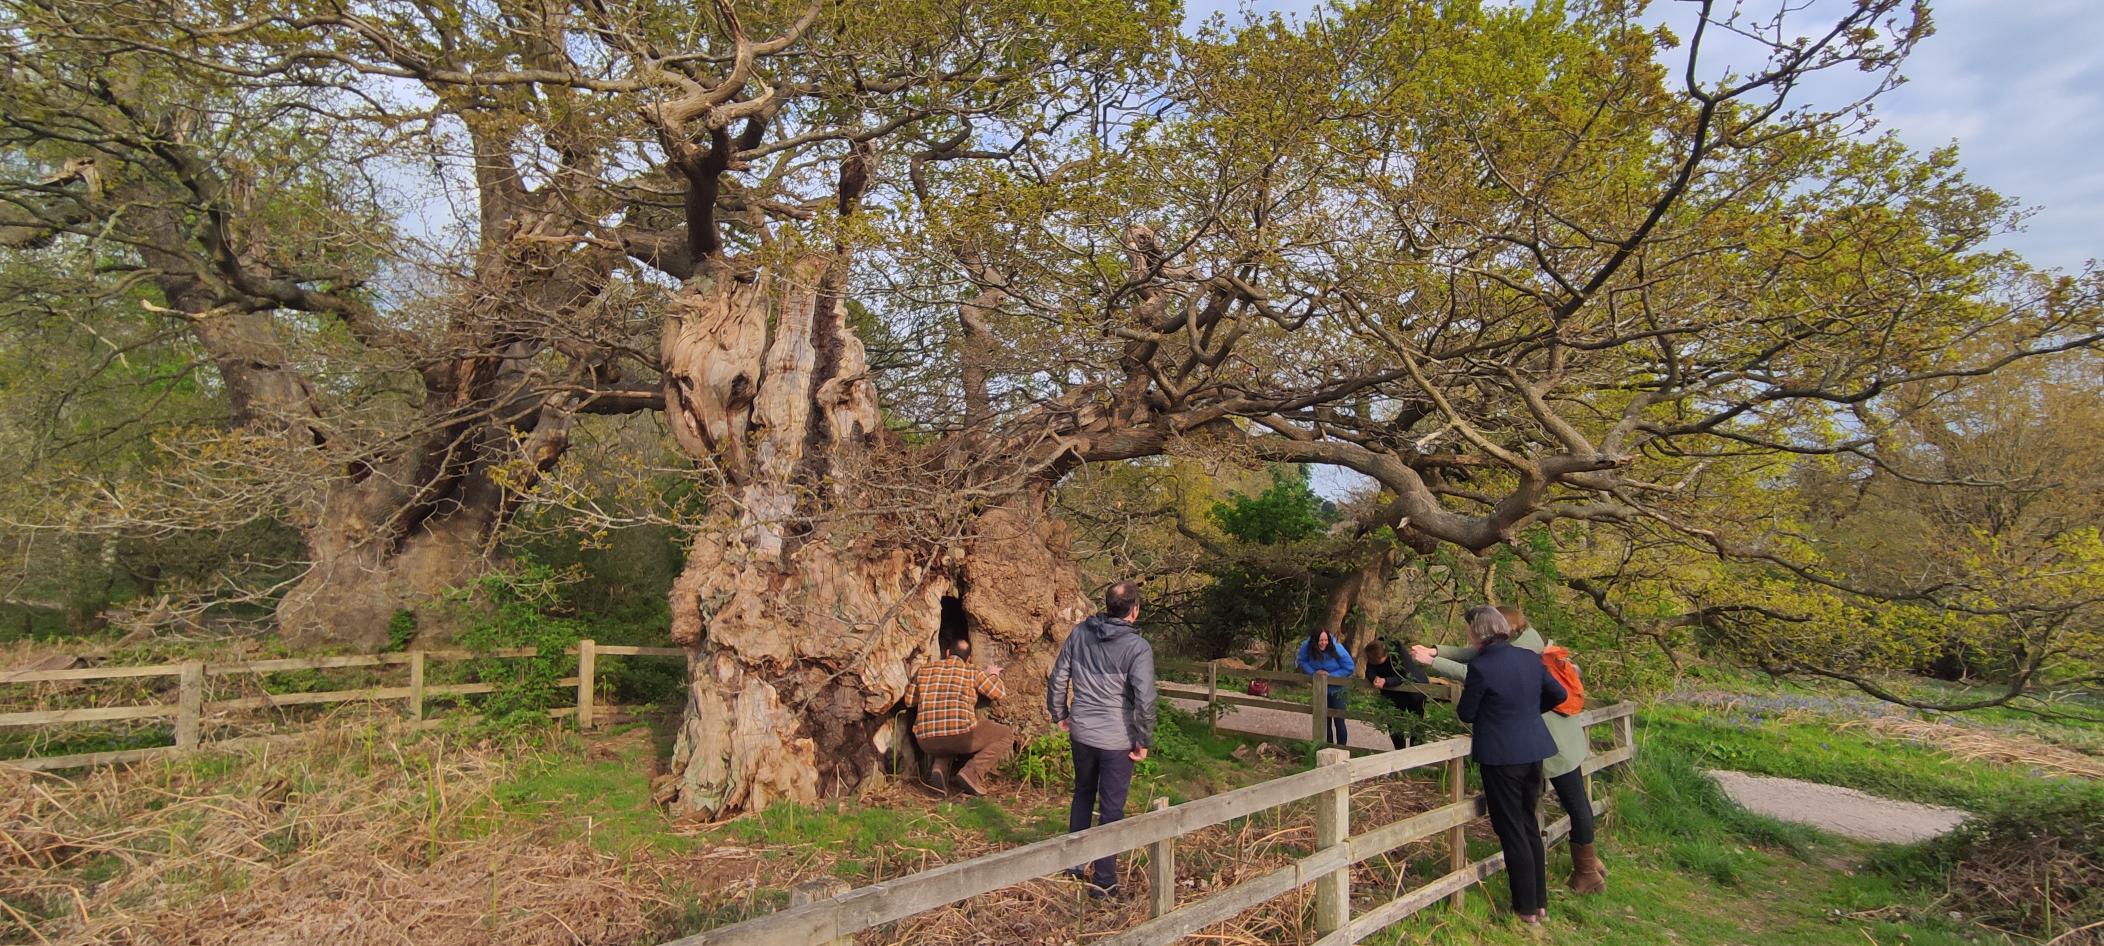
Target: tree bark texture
806, 612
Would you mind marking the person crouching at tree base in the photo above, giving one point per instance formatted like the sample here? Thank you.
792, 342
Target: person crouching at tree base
947, 693
1321, 654
1382, 673
1503, 696
1101, 692
1563, 770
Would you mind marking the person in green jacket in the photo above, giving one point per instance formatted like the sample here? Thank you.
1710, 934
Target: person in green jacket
1588, 874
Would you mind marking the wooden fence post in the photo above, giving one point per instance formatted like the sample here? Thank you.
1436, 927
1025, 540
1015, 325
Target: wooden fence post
1212, 697
1161, 871
190, 704
1457, 839
1319, 704
416, 685
812, 891
587, 666
1333, 812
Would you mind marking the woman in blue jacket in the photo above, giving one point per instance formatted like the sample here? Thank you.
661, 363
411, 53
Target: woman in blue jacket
1320, 654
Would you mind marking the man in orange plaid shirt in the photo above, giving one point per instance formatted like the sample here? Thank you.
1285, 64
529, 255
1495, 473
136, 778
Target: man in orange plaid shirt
947, 693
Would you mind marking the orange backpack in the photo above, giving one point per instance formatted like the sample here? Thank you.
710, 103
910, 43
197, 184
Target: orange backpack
1557, 658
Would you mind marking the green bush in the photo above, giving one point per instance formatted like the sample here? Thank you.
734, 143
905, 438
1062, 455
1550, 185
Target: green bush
1046, 761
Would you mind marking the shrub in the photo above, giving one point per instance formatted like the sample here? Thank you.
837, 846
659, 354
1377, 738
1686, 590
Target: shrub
2034, 865
1045, 761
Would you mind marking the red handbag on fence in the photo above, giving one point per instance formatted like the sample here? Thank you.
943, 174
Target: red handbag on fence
1259, 688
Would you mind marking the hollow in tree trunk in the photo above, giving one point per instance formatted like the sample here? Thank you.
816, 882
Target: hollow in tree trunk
805, 609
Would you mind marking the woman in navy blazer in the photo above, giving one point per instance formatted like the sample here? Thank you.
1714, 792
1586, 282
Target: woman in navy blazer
1502, 698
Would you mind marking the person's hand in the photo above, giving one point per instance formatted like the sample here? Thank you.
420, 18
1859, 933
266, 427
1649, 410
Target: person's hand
1137, 753
1422, 654
1063, 726
996, 668
1380, 683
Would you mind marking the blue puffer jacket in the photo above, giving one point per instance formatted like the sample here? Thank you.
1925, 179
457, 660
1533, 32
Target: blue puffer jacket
1337, 662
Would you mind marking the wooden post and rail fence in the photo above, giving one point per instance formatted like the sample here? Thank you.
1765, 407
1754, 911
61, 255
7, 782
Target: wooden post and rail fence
1317, 707
191, 710
823, 913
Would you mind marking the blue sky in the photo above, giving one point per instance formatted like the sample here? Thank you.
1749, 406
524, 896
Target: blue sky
2018, 85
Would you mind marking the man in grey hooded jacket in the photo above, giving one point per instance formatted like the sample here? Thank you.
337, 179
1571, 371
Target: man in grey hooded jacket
1102, 693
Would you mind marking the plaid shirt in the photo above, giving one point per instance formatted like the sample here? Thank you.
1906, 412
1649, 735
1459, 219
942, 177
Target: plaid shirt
947, 692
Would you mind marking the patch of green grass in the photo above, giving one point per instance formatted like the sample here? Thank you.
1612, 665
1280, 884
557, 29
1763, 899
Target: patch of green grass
1688, 867
1813, 748
983, 817
873, 836
603, 796
26, 742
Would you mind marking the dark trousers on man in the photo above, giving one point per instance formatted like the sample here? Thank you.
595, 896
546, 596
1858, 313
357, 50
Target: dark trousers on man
1336, 725
1412, 703
1514, 793
982, 747
1570, 790
1101, 779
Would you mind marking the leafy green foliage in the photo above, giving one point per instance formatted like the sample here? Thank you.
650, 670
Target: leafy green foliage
1269, 579
1046, 761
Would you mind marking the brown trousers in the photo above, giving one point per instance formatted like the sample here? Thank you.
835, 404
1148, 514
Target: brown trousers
982, 748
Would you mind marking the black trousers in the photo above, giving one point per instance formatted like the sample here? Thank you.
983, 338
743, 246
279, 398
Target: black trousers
1101, 779
1338, 735
1570, 791
1514, 795
1412, 703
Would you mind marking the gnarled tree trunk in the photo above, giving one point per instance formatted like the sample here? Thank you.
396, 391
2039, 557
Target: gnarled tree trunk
806, 610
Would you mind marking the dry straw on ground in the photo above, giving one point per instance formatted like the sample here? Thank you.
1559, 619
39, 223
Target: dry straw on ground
1971, 744
340, 838
346, 837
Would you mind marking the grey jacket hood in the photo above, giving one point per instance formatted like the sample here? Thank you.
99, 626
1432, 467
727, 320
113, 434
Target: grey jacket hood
1107, 628
1102, 685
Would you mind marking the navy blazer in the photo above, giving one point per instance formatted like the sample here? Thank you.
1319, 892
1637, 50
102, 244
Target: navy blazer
1506, 691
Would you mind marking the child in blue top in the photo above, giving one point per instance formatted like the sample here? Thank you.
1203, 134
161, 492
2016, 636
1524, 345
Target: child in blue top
1320, 654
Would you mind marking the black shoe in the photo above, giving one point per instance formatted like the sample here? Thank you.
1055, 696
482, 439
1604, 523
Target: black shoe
934, 777
1099, 892
1075, 873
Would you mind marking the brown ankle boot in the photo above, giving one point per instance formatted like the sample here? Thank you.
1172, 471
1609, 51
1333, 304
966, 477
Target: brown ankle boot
1588, 875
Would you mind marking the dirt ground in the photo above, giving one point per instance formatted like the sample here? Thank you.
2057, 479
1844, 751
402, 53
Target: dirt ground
1842, 811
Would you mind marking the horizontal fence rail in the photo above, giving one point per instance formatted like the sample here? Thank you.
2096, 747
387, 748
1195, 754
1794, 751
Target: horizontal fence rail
1316, 707
837, 918
191, 708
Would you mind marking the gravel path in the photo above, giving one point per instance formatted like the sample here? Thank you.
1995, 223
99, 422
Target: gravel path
1286, 724
1843, 811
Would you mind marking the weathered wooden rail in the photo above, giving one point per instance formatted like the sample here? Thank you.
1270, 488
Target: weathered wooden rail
1317, 707
191, 709
836, 919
